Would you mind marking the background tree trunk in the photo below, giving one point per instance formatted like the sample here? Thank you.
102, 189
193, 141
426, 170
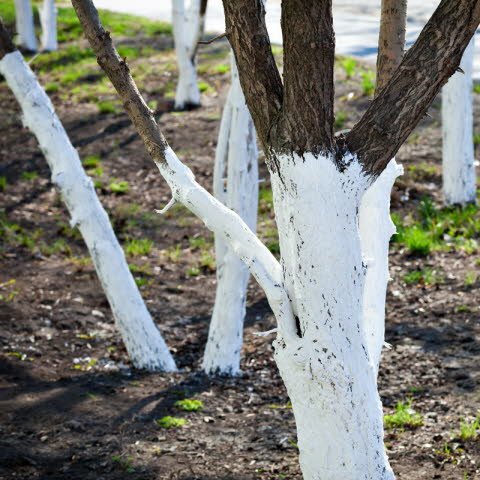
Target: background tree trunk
25, 26
48, 19
459, 179
142, 339
236, 162
188, 25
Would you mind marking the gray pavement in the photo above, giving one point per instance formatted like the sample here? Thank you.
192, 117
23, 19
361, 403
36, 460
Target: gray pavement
356, 22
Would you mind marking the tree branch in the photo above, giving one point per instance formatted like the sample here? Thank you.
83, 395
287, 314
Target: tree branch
395, 112
218, 218
309, 56
259, 76
391, 41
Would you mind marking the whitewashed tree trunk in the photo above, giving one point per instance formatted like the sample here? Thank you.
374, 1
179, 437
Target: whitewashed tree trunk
48, 20
188, 27
376, 229
328, 370
25, 26
144, 343
236, 162
459, 180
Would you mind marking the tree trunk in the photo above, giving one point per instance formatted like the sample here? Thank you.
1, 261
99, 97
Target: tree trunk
237, 159
188, 24
48, 20
328, 371
25, 26
144, 343
459, 180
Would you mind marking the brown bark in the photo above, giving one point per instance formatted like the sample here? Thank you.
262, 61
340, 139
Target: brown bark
6, 43
404, 100
309, 56
391, 42
259, 76
119, 74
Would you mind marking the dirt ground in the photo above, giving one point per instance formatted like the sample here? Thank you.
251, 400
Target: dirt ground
72, 407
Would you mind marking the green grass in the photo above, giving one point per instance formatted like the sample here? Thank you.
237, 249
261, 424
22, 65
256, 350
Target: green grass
404, 417
368, 82
91, 161
107, 106
119, 187
432, 228
29, 176
3, 183
426, 276
349, 66
170, 422
470, 430
189, 405
340, 119
470, 279
138, 246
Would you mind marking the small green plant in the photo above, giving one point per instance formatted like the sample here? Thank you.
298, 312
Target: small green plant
91, 161
52, 87
207, 261
221, 69
404, 417
29, 176
173, 254
349, 66
470, 430
470, 279
170, 422
426, 276
105, 107
3, 183
193, 272
125, 463
189, 405
59, 246
204, 87
197, 243
417, 240
138, 246
119, 187
340, 119
476, 139
368, 82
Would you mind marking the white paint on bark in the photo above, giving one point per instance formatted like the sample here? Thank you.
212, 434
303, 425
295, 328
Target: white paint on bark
24, 25
142, 339
328, 372
188, 27
48, 20
459, 180
376, 229
236, 162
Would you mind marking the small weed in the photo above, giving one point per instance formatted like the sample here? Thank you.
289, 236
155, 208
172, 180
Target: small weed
29, 176
463, 309
470, 279
193, 272
404, 417
423, 171
349, 66
52, 87
198, 243
19, 355
189, 405
426, 276
125, 463
476, 139
91, 161
59, 246
170, 422
368, 83
207, 261
470, 430
106, 106
476, 88
138, 246
276, 406
204, 87
119, 187
340, 119
3, 183
173, 253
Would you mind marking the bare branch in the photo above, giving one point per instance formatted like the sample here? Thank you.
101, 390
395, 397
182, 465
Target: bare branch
391, 41
214, 39
218, 218
259, 76
309, 55
403, 102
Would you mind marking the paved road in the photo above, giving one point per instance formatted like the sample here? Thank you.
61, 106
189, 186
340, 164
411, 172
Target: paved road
356, 23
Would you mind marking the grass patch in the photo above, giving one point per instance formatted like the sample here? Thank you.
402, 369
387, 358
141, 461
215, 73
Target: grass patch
340, 119
119, 187
29, 176
404, 417
470, 430
91, 161
170, 422
138, 246
426, 276
349, 66
189, 405
3, 183
106, 107
368, 82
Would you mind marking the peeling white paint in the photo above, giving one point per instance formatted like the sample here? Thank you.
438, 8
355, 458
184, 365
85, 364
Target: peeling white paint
459, 179
376, 229
48, 20
188, 27
236, 162
329, 375
24, 25
142, 339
